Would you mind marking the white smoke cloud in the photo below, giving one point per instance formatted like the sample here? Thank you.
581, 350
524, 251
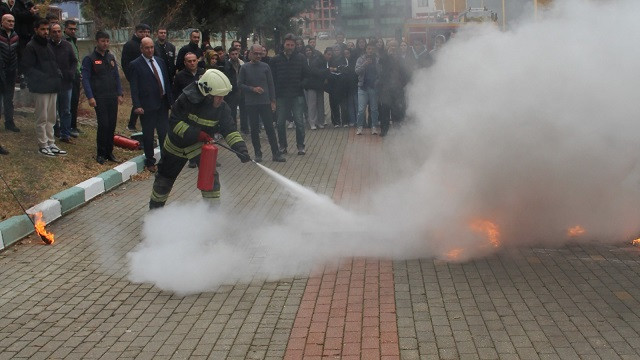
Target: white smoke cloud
536, 130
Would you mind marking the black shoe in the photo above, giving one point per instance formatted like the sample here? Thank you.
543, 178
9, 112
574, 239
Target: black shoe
114, 159
192, 165
74, 133
101, 160
3, 151
283, 150
257, 158
301, 150
279, 158
12, 128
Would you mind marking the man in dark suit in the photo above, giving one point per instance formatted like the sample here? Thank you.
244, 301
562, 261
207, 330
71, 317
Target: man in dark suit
152, 97
131, 51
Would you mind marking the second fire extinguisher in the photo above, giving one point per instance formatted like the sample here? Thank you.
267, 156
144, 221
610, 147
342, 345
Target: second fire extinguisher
207, 167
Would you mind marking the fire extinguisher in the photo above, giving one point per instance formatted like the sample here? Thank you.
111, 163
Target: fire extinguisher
207, 167
125, 142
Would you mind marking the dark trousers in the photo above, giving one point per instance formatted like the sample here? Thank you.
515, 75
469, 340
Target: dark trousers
157, 120
255, 113
169, 168
107, 115
339, 108
391, 109
133, 118
233, 102
244, 118
75, 98
7, 97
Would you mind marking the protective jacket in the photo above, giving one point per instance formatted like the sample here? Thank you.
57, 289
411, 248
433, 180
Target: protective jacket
192, 113
100, 77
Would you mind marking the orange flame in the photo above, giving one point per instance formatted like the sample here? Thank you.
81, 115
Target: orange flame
489, 228
454, 254
575, 231
636, 242
46, 236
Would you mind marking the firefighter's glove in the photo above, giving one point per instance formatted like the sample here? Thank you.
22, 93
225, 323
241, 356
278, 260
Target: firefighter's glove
245, 157
204, 137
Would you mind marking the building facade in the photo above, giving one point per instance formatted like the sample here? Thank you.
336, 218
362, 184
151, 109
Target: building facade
320, 20
382, 18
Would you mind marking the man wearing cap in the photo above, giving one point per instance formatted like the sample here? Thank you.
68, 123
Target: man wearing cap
198, 114
130, 52
151, 96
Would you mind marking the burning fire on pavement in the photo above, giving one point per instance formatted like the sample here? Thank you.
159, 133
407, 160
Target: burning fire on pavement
575, 231
39, 225
484, 227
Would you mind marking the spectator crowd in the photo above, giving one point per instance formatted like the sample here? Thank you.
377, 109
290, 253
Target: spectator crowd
365, 81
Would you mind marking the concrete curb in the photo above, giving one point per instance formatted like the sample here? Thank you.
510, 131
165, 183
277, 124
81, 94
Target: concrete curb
17, 227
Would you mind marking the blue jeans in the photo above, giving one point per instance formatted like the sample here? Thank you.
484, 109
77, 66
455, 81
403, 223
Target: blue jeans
285, 106
368, 96
64, 110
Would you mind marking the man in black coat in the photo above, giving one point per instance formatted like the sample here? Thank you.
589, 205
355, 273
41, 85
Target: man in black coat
191, 47
9, 56
191, 73
290, 71
68, 65
231, 70
70, 28
44, 81
25, 13
131, 51
166, 51
152, 97
315, 86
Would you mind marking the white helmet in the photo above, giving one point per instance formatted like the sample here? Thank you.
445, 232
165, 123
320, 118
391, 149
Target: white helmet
214, 82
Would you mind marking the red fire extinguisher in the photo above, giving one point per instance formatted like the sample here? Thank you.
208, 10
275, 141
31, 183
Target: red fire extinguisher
125, 142
207, 167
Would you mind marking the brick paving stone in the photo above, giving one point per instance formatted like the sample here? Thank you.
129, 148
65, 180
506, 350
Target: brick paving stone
73, 300
562, 305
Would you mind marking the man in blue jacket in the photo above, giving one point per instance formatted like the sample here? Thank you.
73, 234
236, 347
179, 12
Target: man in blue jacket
152, 97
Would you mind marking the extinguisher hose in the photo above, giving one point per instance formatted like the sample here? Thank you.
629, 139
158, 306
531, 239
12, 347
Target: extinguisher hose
233, 151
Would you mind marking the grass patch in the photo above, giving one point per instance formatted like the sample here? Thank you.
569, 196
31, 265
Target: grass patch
34, 177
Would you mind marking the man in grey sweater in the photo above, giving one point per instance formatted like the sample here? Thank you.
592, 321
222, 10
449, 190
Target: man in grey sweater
256, 83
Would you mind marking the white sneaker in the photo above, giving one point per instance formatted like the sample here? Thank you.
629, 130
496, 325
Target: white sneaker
313, 127
56, 150
374, 131
359, 130
46, 152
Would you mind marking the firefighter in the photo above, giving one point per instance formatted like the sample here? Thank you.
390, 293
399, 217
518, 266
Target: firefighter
198, 113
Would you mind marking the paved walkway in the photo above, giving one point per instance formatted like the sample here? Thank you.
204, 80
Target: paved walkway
73, 299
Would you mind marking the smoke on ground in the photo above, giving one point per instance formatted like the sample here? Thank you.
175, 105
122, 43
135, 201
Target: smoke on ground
517, 138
